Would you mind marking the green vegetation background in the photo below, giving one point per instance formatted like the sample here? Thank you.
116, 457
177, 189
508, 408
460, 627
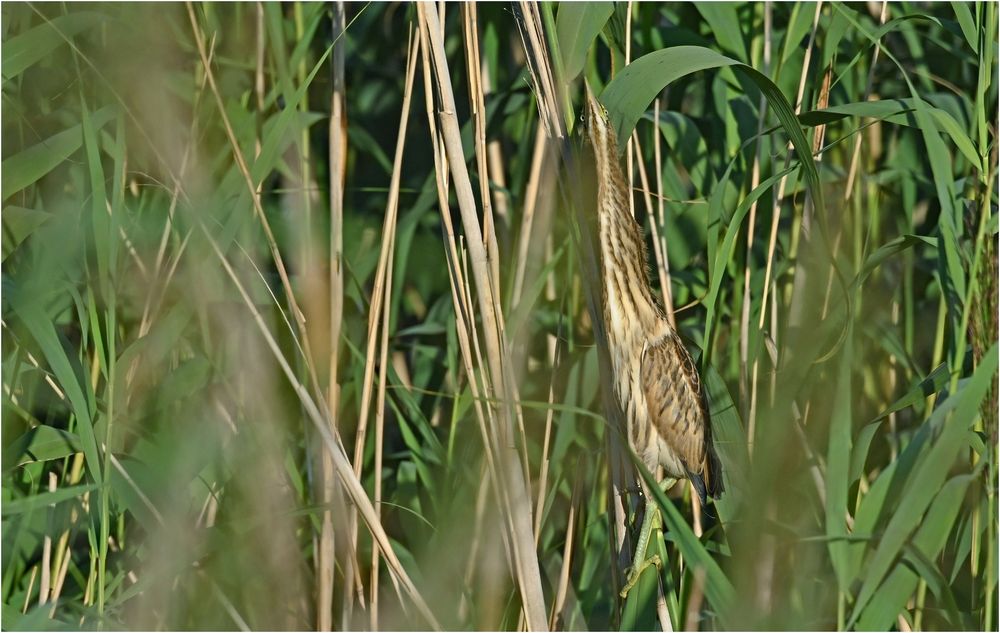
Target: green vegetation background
168, 414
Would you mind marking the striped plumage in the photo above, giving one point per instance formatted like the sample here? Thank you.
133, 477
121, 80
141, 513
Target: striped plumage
656, 382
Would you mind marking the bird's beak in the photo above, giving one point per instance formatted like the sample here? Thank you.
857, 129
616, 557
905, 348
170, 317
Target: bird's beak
593, 105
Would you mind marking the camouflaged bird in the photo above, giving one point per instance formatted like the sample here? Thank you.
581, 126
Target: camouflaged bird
655, 379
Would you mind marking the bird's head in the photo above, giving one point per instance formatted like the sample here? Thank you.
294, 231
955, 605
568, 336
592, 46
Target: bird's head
597, 128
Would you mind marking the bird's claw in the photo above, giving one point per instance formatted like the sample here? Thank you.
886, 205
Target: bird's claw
635, 572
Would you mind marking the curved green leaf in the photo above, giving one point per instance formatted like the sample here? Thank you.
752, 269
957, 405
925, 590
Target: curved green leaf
27, 306
40, 444
629, 94
42, 499
928, 474
18, 224
838, 459
723, 254
577, 26
718, 589
21, 52
725, 25
930, 538
933, 383
27, 166
898, 111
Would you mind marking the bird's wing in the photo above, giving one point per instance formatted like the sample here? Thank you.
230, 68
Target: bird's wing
674, 399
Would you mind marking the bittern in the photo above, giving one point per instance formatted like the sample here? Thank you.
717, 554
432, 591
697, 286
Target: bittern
656, 383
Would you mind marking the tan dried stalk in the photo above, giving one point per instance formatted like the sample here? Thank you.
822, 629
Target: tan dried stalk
799, 281
745, 382
533, 38
559, 605
662, 614
694, 603
540, 160
662, 270
464, 321
543, 468
665, 282
516, 497
383, 354
478, 112
775, 216
494, 156
63, 553
376, 306
478, 105
43, 587
258, 208
337, 157
331, 439
31, 585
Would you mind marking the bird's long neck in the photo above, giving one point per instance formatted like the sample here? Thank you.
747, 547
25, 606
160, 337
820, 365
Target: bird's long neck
629, 305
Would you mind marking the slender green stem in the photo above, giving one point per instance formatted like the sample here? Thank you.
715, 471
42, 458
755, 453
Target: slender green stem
991, 540
918, 612
548, 18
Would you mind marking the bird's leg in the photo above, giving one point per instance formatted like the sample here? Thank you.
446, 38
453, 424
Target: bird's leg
652, 521
639, 560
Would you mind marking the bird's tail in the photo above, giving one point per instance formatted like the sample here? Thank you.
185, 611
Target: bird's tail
699, 485
709, 483
715, 485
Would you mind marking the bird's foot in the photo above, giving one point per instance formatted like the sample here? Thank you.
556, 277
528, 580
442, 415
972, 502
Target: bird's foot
635, 572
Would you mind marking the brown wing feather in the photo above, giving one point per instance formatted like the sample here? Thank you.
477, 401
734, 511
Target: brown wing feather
676, 407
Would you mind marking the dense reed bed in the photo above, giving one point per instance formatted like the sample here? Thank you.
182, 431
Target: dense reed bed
300, 326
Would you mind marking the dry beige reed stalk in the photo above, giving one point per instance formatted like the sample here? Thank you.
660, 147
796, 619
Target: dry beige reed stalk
775, 216
63, 553
541, 160
331, 438
321, 421
471, 358
665, 282
662, 270
512, 482
543, 468
478, 112
799, 281
43, 587
392, 211
31, 585
478, 106
258, 208
456, 277
537, 54
337, 159
758, 158
694, 602
567, 556
621, 473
